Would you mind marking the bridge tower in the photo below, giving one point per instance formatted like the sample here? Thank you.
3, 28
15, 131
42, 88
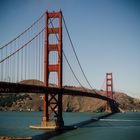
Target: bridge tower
109, 85
53, 102
109, 88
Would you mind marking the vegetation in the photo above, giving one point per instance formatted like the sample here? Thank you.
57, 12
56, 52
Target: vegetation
8, 99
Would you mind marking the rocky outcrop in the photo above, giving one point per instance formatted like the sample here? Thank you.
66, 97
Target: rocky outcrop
126, 102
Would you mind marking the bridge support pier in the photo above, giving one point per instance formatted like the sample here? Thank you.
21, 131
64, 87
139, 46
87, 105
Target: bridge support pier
113, 106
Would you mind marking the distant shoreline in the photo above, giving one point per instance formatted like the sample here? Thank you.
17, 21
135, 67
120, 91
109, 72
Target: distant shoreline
14, 138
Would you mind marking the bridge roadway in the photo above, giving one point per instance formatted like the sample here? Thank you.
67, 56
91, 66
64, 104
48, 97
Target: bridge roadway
6, 87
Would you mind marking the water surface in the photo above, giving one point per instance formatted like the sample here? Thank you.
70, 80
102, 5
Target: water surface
120, 126
17, 123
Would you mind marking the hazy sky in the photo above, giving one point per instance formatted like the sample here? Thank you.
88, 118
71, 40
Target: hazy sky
106, 35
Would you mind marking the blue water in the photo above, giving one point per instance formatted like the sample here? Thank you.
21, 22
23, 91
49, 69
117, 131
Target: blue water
17, 123
119, 126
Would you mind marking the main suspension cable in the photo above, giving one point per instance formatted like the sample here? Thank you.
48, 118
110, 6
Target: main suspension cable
75, 53
23, 32
22, 46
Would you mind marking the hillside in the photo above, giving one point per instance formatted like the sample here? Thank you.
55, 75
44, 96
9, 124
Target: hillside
34, 102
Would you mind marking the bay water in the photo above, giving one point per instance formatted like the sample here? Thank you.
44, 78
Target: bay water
120, 126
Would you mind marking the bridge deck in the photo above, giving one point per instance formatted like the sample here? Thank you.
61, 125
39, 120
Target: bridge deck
6, 87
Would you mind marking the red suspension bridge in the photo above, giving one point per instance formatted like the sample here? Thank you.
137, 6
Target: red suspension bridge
38, 53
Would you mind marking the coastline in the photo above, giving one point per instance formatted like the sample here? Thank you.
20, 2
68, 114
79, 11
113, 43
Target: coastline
14, 138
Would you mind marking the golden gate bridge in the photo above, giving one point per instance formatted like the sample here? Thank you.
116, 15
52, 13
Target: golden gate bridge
37, 53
